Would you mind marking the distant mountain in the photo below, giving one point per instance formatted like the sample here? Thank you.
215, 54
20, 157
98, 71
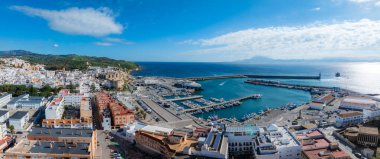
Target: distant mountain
69, 62
263, 60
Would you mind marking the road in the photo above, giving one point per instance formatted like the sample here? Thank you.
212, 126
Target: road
103, 150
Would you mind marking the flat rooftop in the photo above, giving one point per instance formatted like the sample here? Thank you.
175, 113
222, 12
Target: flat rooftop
247, 129
60, 132
359, 100
175, 147
309, 134
349, 114
35, 147
3, 112
286, 140
368, 130
156, 129
325, 154
314, 144
19, 115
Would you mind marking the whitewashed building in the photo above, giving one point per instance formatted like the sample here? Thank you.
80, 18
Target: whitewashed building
55, 109
18, 120
349, 118
26, 102
131, 129
214, 146
4, 115
3, 130
264, 148
241, 139
287, 145
369, 114
4, 99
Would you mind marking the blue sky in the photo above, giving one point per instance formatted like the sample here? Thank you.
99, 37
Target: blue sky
196, 30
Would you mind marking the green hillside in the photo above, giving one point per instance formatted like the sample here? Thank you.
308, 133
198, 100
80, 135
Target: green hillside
69, 62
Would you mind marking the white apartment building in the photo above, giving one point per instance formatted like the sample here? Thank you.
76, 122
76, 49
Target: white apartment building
349, 118
84, 89
4, 115
214, 146
3, 130
55, 109
130, 130
19, 119
264, 148
106, 122
287, 145
4, 99
72, 100
26, 102
369, 114
241, 139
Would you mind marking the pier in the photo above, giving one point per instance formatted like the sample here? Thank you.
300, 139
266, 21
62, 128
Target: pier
255, 96
183, 98
285, 85
253, 76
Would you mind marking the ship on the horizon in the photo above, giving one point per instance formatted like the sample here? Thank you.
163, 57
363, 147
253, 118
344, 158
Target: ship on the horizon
337, 74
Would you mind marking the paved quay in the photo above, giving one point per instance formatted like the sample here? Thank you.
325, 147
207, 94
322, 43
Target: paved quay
162, 112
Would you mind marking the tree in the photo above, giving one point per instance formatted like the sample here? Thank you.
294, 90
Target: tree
11, 129
93, 88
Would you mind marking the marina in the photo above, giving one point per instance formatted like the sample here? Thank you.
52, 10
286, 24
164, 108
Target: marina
233, 102
183, 98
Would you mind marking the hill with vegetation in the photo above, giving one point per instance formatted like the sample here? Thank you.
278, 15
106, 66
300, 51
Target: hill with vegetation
69, 62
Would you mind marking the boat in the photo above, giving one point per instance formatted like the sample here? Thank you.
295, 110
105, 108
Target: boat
213, 117
337, 74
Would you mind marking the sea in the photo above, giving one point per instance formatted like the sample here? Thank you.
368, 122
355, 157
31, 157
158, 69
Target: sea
357, 76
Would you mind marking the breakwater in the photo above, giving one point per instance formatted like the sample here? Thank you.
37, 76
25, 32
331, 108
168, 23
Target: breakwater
287, 85
253, 76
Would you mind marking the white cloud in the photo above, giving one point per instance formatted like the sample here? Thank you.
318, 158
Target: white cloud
316, 9
55, 45
103, 43
111, 41
361, 1
118, 40
367, 2
349, 39
77, 21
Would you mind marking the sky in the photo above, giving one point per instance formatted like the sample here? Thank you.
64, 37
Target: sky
193, 31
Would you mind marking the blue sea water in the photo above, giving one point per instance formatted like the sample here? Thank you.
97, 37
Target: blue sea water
361, 77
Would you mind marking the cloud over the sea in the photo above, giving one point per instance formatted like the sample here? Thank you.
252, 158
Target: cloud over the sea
344, 39
77, 21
